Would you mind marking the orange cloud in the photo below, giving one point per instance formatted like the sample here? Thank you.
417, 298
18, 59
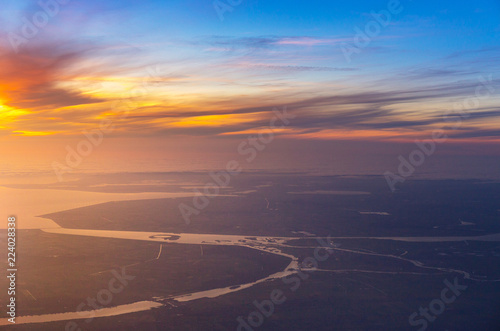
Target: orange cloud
28, 79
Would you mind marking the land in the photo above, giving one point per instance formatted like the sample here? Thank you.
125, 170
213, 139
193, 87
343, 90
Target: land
364, 283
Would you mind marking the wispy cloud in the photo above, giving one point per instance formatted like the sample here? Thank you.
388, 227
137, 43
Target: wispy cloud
29, 79
269, 41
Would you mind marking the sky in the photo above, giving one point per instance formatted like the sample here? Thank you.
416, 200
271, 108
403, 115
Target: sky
188, 80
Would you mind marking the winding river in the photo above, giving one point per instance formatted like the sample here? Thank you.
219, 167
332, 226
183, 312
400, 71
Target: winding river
267, 244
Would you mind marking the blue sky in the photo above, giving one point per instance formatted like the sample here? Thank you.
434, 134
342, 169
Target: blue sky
205, 77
